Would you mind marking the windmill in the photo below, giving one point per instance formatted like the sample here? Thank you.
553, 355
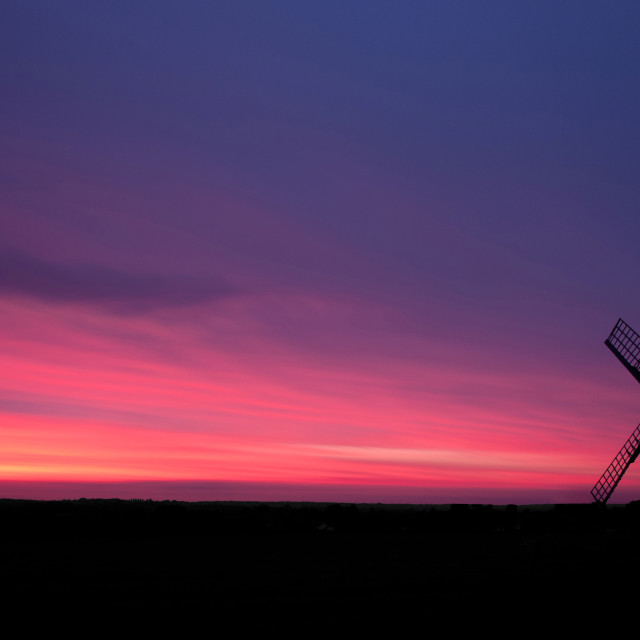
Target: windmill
625, 344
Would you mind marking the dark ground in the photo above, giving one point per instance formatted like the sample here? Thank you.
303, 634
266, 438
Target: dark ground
312, 569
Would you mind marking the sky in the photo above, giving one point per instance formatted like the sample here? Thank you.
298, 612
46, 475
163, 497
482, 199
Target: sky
329, 251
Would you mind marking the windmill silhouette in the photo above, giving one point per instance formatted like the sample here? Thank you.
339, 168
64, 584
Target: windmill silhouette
625, 344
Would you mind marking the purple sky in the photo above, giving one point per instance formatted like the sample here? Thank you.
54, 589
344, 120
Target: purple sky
359, 249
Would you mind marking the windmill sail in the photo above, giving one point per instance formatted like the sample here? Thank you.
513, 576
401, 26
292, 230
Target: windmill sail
612, 476
624, 342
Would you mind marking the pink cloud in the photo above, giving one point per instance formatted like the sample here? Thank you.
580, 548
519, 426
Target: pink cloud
96, 398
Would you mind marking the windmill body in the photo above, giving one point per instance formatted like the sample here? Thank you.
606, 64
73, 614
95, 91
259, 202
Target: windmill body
624, 342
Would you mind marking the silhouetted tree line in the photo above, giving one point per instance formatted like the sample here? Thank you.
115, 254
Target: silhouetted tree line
131, 518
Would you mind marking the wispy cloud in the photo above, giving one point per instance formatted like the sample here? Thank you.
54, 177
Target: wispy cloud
22, 274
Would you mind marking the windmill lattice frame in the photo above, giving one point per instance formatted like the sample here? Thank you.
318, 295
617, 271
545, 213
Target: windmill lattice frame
624, 342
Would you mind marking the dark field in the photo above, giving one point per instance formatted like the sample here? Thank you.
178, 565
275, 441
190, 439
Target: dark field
309, 568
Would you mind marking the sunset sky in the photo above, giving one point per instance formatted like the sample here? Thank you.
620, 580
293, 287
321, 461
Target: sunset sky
361, 251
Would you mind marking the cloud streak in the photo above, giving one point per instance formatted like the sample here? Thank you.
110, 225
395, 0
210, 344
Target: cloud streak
22, 274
